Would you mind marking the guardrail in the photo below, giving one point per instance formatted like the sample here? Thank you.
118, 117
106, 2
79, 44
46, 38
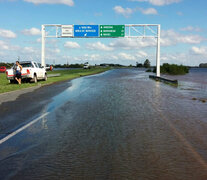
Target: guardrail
165, 80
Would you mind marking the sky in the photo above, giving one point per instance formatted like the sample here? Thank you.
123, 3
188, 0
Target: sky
183, 31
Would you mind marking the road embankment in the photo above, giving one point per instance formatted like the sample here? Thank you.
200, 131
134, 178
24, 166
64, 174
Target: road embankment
64, 75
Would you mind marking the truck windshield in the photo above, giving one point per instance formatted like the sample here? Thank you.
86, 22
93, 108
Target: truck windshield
26, 65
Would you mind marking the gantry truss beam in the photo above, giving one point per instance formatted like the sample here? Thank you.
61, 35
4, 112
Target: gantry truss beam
131, 31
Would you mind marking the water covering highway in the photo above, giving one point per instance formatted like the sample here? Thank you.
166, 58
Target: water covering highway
115, 125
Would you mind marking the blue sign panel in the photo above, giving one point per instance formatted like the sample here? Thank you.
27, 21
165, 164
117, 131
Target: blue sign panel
86, 31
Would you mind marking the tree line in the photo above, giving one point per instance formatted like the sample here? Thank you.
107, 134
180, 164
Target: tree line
146, 64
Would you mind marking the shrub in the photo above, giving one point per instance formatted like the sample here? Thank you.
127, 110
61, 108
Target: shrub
147, 63
173, 69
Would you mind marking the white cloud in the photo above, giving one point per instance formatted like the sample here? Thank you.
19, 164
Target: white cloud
110, 57
190, 39
28, 50
159, 2
71, 45
114, 57
4, 45
179, 13
125, 56
98, 46
176, 58
95, 57
2, 53
128, 11
191, 28
39, 40
132, 56
199, 50
48, 41
57, 51
84, 57
149, 11
129, 43
170, 37
186, 58
7, 33
53, 51
141, 54
65, 2
31, 32
123, 11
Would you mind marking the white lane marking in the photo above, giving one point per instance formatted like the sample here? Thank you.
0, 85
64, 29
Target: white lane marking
29, 124
22, 128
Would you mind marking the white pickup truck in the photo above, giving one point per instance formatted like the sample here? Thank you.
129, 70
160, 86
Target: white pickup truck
31, 71
86, 66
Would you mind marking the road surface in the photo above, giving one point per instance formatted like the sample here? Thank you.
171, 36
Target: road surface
114, 125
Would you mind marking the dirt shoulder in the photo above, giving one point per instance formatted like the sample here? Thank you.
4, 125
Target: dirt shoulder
13, 95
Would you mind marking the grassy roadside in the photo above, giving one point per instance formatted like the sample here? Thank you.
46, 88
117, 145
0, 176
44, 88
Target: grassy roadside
64, 75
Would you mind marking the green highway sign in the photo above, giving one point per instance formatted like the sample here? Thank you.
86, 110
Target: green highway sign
112, 30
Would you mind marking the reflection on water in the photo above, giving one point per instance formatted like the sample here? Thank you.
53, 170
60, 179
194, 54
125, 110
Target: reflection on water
117, 125
194, 83
44, 123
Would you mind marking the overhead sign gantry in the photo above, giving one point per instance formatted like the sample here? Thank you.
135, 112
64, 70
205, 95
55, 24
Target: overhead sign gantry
102, 31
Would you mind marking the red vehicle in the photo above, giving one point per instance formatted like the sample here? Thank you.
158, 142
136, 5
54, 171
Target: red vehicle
2, 69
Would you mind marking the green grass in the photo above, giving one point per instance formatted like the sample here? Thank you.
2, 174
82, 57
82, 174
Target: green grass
64, 75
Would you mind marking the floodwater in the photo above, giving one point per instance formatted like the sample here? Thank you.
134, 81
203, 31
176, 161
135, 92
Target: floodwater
116, 125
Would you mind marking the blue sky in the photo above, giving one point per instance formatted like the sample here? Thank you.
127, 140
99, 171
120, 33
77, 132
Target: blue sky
183, 30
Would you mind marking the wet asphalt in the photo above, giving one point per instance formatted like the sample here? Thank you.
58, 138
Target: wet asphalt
27, 106
115, 125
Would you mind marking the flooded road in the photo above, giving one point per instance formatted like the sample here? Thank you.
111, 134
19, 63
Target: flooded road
115, 125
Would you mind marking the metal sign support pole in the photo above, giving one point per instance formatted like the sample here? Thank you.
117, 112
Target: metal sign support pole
43, 47
158, 52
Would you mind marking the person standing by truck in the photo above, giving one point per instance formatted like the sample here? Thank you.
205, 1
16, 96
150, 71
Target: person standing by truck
18, 72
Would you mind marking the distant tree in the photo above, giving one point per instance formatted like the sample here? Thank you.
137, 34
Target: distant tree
147, 63
138, 64
203, 65
8, 65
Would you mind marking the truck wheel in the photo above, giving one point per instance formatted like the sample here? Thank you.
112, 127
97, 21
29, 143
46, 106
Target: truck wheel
34, 80
45, 78
11, 81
